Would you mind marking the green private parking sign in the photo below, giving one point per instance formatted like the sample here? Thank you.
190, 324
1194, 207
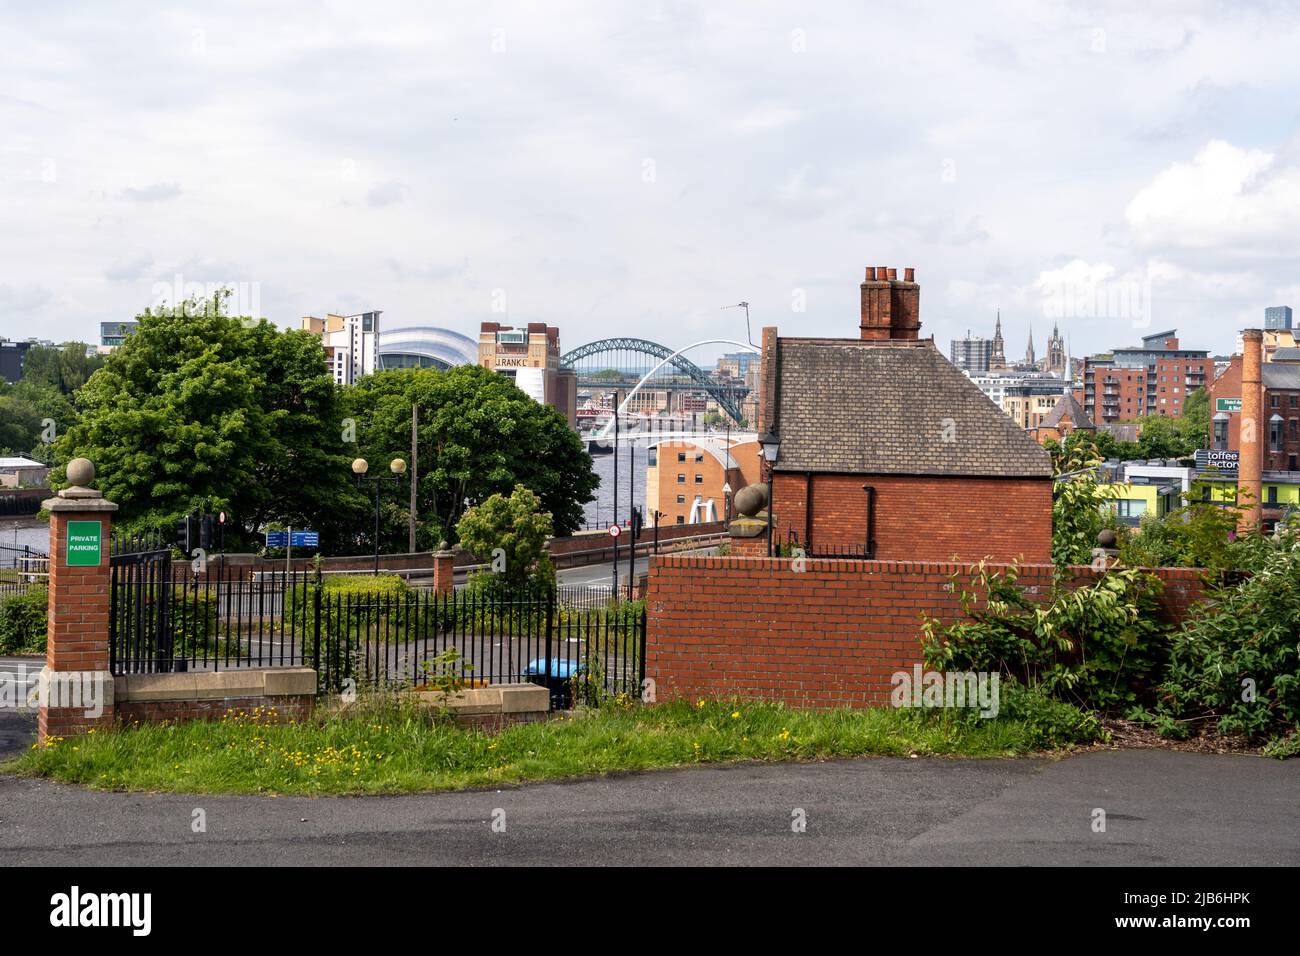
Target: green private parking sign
85, 544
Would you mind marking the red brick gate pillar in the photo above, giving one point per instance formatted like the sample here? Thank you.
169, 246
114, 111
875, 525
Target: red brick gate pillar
76, 686
444, 571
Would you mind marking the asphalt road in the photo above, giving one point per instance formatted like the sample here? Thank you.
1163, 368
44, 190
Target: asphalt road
1161, 807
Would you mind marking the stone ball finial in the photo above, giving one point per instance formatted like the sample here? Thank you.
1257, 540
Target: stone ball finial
751, 499
1106, 538
81, 472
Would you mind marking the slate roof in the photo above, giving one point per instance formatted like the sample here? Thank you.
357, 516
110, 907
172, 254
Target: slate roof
1280, 375
892, 407
1067, 407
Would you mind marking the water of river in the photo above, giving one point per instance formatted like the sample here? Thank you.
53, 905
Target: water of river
601, 511
19, 532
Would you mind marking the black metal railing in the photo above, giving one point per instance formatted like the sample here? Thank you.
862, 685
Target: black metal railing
21, 568
368, 633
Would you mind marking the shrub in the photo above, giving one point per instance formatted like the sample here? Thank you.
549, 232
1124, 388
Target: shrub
23, 622
1235, 663
1053, 723
1098, 645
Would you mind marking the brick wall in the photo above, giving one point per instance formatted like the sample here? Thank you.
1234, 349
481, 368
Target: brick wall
921, 517
828, 636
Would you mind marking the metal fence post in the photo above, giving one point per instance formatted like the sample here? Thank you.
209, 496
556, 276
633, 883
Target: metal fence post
320, 678
641, 683
550, 628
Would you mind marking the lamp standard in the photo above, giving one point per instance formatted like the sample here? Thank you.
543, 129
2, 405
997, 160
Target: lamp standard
359, 468
726, 501
771, 446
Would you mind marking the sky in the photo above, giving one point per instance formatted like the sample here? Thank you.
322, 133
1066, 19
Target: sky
631, 168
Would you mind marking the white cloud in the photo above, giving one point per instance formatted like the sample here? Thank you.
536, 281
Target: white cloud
1227, 197
131, 266
386, 194
346, 160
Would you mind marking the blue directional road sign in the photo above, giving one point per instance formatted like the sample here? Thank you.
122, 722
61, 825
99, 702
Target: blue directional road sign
306, 539
277, 539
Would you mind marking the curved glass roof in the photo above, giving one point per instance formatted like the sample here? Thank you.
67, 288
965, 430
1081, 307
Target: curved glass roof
425, 346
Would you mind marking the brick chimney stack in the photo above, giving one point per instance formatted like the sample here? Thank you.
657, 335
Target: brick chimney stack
891, 307
1250, 467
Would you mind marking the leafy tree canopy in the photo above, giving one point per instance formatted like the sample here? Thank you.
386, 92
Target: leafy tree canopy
479, 435
510, 533
200, 410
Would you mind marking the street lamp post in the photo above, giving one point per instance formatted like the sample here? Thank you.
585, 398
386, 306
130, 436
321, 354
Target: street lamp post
359, 468
771, 446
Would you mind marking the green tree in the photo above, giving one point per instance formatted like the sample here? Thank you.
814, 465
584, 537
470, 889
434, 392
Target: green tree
1078, 500
66, 367
479, 435
20, 424
201, 411
510, 533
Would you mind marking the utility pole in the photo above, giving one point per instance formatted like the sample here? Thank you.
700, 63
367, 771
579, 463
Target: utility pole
631, 507
614, 591
415, 469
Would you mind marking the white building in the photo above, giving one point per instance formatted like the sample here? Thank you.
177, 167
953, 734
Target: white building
351, 343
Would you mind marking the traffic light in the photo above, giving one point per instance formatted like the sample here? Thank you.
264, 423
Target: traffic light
205, 533
187, 534
637, 522
183, 534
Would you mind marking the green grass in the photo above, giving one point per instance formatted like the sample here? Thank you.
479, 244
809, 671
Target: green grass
388, 747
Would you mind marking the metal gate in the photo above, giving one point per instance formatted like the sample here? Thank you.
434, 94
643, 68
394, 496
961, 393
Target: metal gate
140, 634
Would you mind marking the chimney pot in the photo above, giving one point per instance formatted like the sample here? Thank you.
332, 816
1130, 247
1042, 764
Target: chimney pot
893, 274
871, 273
909, 274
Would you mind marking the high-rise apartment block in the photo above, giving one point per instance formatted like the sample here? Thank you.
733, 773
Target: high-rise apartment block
1154, 379
1277, 317
351, 343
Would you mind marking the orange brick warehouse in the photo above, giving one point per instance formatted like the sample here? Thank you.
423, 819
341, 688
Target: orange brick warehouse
829, 636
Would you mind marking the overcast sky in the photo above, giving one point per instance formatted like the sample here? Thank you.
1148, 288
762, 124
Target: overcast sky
629, 168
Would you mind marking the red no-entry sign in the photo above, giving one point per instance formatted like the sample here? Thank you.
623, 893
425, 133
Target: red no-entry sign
615, 531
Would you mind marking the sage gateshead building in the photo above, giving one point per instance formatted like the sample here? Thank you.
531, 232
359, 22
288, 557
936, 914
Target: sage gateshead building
425, 347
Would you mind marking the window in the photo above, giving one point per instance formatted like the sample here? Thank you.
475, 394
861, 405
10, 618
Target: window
1130, 507
1275, 435
1272, 495
1275, 401
681, 519
681, 499
681, 479
699, 479
699, 456
681, 456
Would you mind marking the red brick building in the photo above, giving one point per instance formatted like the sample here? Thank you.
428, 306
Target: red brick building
1278, 430
887, 450
1154, 379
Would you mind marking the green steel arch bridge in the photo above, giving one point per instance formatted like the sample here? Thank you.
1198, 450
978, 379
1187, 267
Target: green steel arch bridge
626, 363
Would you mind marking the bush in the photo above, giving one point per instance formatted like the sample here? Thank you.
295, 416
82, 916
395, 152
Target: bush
23, 622
1053, 723
1201, 534
1235, 664
1099, 645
